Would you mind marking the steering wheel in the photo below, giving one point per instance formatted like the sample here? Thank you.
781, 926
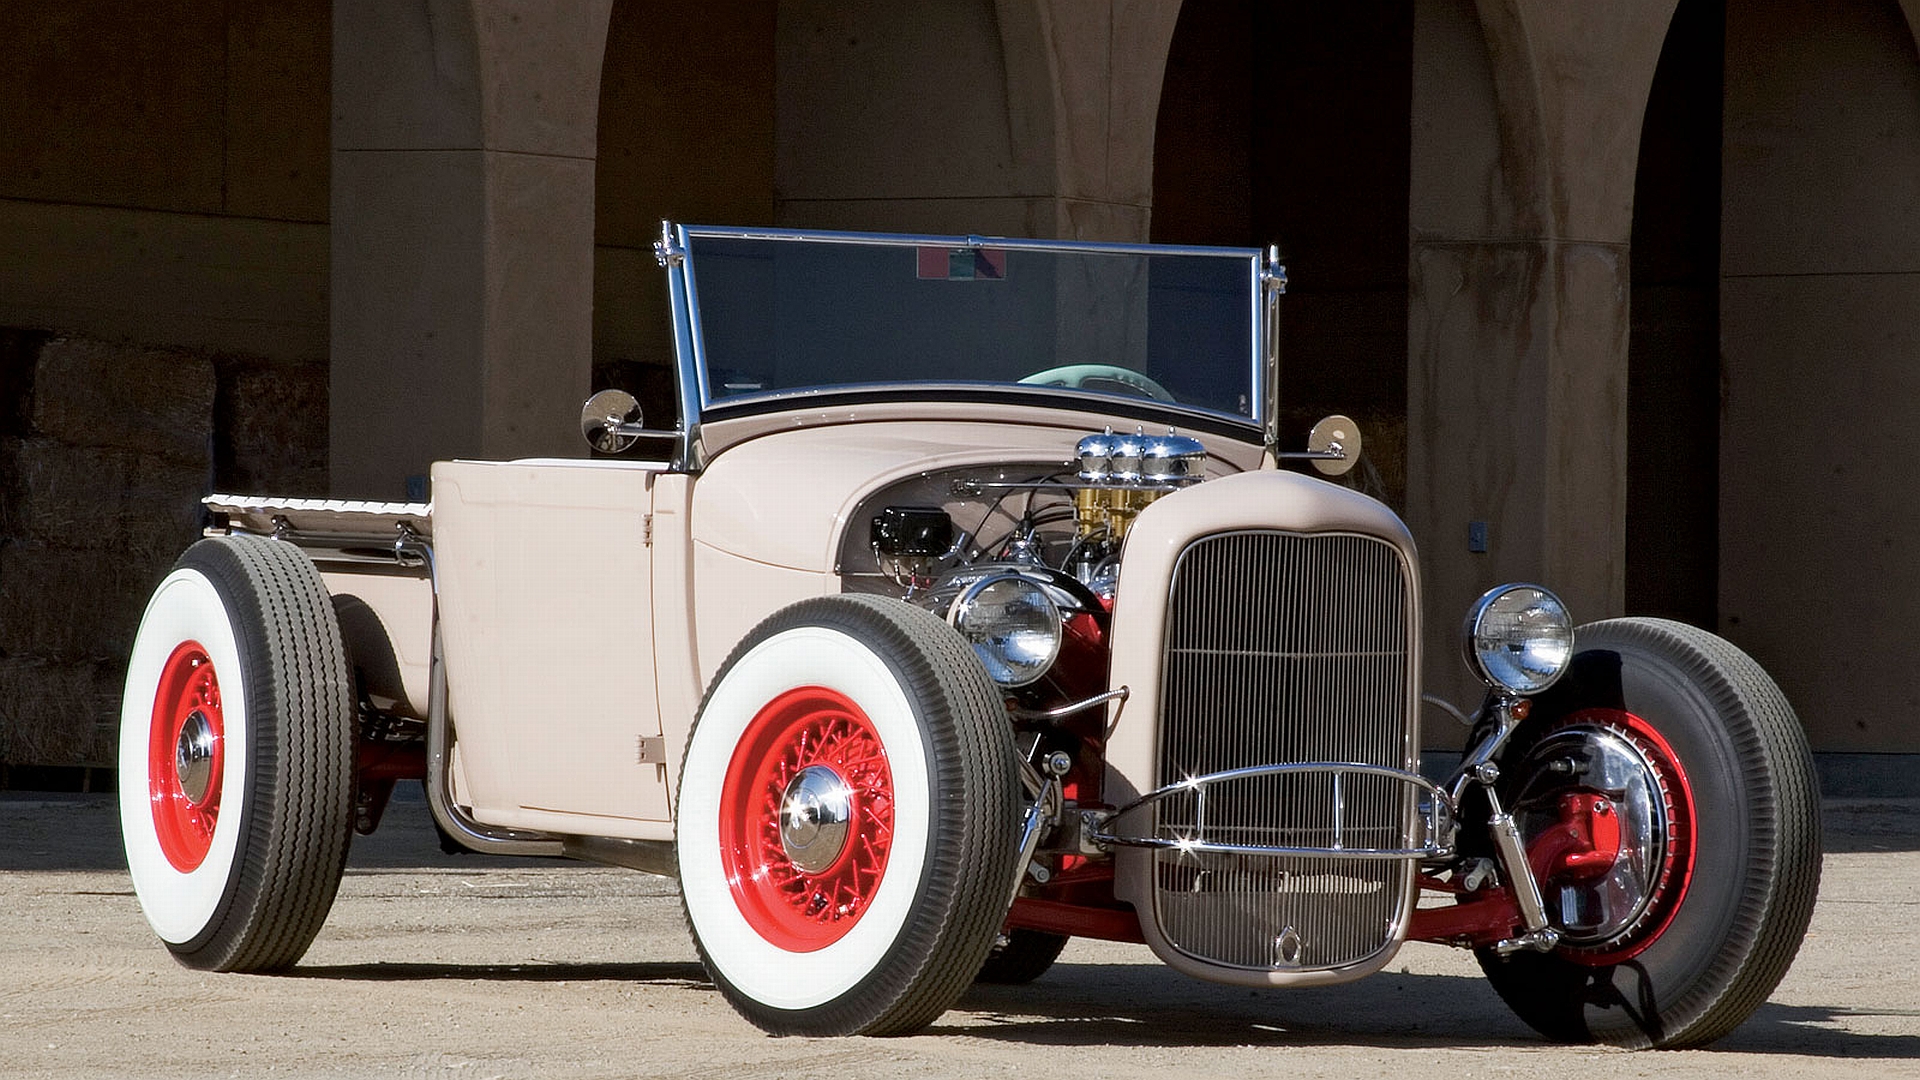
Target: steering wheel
1106, 378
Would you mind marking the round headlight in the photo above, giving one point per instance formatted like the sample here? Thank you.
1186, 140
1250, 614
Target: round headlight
1012, 624
1519, 638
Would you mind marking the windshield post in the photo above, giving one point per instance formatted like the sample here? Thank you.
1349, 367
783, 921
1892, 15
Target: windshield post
1273, 279
671, 252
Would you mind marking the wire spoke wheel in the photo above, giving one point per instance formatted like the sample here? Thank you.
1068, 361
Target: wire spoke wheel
806, 818
848, 805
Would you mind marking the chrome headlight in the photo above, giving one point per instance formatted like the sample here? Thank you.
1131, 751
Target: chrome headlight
1013, 625
1519, 638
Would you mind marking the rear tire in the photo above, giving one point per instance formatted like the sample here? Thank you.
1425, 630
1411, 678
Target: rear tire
847, 819
236, 756
1682, 950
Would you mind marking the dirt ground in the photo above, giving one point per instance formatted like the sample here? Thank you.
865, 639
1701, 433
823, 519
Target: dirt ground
471, 967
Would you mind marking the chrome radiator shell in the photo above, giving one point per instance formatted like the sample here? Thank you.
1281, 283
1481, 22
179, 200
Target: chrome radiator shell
1269, 619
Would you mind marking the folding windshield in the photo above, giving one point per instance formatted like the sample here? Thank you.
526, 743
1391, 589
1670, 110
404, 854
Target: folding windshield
774, 316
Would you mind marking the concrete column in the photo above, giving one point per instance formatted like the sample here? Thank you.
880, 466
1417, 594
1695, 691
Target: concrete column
462, 232
1526, 122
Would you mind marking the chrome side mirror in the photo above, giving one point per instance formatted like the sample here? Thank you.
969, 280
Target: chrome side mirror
610, 421
1333, 446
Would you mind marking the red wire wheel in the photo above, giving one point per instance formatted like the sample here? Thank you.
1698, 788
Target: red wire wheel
186, 756
806, 818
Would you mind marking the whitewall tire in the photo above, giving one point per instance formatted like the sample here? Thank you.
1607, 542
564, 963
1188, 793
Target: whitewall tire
847, 819
236, 756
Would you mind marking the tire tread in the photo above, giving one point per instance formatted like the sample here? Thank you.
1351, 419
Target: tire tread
298, 824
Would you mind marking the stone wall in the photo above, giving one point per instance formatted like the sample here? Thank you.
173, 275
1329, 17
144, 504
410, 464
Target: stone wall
105, 452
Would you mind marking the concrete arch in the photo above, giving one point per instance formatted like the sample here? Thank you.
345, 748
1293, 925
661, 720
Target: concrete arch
1572, 84
1524, 194
1083, 92
1673, 386
685, 132
464, 168
1289, 123
1024, 117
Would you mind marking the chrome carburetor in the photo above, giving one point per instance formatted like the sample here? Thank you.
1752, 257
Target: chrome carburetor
1122, 474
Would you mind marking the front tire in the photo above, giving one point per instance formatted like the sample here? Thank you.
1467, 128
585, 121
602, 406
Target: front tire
847, 815
236, 756
1678, 749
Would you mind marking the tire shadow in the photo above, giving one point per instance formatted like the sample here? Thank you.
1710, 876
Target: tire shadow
685, 975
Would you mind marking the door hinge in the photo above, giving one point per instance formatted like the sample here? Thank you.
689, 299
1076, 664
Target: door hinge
646, 530
653, 750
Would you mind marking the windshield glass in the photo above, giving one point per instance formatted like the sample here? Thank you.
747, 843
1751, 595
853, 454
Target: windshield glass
775, 315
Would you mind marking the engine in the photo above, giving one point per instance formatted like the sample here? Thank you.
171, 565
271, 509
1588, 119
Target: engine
1028, 571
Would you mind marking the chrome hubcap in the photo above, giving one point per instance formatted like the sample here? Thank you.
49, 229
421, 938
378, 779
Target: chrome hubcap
816, 815
193, 758
1598, 903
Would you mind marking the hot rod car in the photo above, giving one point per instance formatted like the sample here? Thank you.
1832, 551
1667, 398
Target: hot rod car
963, 607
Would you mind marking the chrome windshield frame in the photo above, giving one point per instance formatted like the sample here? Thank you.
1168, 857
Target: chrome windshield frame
695, 392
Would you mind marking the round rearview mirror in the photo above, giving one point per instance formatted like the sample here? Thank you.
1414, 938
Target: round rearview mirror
1335, 435
606, 420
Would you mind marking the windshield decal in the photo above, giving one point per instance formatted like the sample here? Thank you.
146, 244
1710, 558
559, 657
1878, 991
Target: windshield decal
962, 264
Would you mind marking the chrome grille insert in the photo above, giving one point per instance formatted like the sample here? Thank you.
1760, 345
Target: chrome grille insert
1287, 648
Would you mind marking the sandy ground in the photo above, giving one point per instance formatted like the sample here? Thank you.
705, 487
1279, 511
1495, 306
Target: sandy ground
472, 967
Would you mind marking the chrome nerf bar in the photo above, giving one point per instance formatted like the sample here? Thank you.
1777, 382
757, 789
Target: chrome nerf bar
1436, 816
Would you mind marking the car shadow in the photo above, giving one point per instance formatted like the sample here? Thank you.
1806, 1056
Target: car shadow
1149, 1006
1808, 1030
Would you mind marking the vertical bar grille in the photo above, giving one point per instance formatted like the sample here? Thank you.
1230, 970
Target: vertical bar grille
1286, 648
